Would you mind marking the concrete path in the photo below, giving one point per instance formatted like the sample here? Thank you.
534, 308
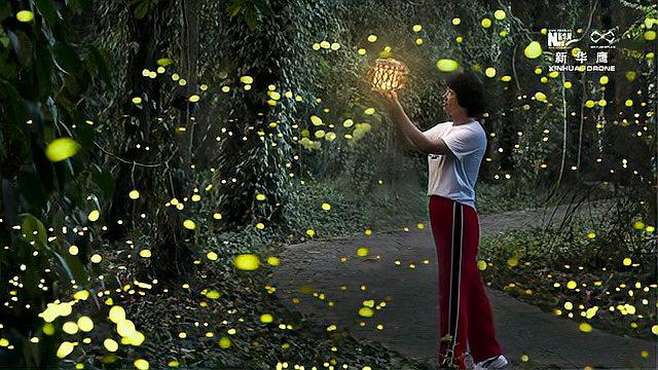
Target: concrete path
331, 291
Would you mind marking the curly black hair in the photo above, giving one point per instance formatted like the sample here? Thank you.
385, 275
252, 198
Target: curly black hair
470, 92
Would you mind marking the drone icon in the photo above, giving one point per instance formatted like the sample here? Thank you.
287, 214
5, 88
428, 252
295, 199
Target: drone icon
608, 36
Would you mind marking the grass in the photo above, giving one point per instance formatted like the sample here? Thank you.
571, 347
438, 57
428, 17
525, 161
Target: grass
527, 264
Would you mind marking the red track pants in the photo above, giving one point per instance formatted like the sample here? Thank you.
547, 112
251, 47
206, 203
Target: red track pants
464, 309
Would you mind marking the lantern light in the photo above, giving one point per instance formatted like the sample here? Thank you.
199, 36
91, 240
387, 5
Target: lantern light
388, 74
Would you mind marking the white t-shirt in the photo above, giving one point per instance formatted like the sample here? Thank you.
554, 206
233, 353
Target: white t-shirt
451, 176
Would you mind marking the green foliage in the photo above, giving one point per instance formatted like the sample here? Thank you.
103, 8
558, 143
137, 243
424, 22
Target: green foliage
45, 76
588, 249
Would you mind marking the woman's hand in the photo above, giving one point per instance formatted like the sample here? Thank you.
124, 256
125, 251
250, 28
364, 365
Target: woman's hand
390, 98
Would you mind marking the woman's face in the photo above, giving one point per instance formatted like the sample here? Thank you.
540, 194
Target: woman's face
450, 104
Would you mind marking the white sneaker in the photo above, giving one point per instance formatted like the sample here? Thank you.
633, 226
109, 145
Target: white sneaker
468, 360
497, 362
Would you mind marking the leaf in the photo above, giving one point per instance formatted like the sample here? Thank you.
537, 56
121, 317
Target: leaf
99, 58
65, 58
22, 46
103, 179
141, 10
251, 17
32, 191
48, 11
17, 113
5, 10
234, 8
29, 226
43, 69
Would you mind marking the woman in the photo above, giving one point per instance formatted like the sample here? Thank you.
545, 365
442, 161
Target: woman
455, 150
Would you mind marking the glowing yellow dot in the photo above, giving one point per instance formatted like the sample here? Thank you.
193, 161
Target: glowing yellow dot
316, 121
212, 256
372, 38
482, 265
419, 41
73, 250
65, 349
260, 226
134, 194
369, 111
490, 72
456, 21
417, 28
525, 358
310, 232
48, 329
486, 22
266, 318
590, 104
366, 312
217, 216
603, 80
361, 51
70, 327
567, 84
273, 261
117, 314
61, 149
533, 50
362, 251
572, 285
499, 14
447, 65
260, 196
585, 327
326, 206
247, 262
93, 215
96, 258
540, 96
650, 35
247, 80
189, 224
141, 364
85, 324
627, 261
25, 16
224, 342
628, 103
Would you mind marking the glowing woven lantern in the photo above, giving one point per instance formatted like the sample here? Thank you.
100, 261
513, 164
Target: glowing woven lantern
387, 75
